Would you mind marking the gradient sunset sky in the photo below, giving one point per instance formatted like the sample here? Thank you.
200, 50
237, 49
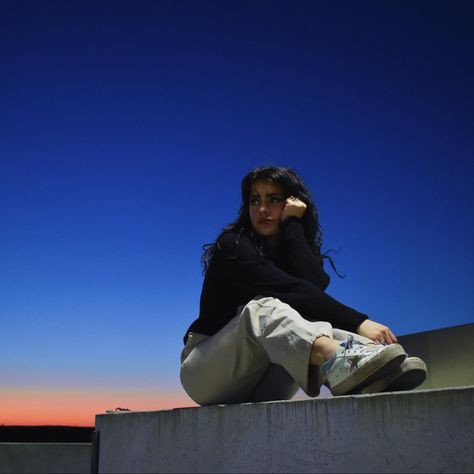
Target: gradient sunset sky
126, 129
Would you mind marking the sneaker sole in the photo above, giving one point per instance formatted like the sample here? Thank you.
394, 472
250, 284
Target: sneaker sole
384, 363
409, 375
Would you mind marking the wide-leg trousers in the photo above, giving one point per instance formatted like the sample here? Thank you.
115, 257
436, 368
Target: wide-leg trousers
262, 354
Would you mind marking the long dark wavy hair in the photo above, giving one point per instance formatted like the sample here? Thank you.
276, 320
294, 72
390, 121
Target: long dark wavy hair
291, 185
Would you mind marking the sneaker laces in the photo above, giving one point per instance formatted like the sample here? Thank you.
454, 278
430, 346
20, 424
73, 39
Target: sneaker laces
346, 344
349, 343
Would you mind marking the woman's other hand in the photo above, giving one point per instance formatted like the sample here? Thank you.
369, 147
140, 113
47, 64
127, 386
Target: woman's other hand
376, 332
293, 207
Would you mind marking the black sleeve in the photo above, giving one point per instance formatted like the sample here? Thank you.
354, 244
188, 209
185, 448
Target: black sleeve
255, 275
303, 262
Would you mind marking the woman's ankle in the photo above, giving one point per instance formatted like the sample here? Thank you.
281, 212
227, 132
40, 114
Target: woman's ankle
322, 350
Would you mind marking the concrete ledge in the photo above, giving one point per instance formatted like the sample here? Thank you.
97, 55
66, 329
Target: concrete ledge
45, 457
419, 431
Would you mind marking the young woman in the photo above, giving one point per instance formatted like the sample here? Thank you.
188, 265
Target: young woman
266, 327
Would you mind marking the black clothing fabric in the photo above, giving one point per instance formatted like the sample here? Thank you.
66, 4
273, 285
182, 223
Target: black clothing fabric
291, 272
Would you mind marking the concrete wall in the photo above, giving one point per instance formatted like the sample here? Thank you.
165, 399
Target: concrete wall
420, 431
448, 353
45, 458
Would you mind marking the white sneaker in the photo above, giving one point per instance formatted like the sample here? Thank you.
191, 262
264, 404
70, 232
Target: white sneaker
409, 375
356, 365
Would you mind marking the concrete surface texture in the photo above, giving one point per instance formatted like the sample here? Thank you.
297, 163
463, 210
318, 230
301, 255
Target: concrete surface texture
52, 458
419, 431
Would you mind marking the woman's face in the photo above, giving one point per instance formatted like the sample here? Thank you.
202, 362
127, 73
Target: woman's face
266, 204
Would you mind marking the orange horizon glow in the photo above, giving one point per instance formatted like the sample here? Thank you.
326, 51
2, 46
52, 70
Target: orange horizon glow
48, 407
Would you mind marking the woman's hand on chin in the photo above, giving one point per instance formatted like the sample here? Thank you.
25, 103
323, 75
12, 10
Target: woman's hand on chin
293, 207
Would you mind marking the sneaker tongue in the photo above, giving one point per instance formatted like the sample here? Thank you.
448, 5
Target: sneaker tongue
346, 343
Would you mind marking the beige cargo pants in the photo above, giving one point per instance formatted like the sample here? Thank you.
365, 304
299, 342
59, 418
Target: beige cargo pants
261, 354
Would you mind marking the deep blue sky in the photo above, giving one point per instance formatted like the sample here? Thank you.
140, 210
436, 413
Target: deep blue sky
126, 128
